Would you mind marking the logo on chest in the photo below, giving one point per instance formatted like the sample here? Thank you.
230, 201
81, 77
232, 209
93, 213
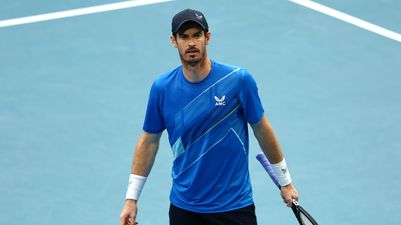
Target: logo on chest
220, 101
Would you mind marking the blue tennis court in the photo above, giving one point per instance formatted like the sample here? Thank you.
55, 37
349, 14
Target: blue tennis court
73, 93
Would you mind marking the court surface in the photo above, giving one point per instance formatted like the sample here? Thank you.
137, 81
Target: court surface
73, 93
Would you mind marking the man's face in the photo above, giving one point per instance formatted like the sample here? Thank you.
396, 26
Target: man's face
191, 45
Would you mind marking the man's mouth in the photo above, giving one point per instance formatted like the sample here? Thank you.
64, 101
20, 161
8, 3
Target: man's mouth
191, 51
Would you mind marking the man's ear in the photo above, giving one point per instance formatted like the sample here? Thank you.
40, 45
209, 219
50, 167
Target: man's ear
207, 37
173, 40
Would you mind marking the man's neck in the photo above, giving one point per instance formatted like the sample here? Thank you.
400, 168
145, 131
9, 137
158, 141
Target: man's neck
198, 72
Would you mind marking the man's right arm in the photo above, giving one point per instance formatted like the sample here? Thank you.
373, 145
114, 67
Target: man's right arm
144, 157
145, 153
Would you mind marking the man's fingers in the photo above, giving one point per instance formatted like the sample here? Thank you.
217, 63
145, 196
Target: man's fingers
128, 221
132, 221
289, 197
295, 196
289, 193
123, 220
128, 215
288, 201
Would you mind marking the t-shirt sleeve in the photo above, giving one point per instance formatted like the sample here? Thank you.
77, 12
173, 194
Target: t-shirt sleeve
154, 121
250, 101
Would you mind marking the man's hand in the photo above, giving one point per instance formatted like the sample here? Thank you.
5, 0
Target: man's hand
288, 193
128, 215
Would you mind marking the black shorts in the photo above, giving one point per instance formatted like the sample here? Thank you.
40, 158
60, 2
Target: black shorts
243, 216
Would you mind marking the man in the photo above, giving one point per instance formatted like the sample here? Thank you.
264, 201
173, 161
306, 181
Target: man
205, 107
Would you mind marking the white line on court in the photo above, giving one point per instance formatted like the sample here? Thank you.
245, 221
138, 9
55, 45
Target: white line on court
78, 12
349, 19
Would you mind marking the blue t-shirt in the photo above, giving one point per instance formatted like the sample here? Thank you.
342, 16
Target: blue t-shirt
207, 127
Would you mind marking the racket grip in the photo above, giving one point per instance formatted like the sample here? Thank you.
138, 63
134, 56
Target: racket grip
261, 157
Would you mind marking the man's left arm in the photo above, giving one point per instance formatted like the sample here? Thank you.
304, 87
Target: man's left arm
269, 144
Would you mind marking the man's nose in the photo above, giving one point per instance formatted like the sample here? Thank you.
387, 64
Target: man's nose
191, 42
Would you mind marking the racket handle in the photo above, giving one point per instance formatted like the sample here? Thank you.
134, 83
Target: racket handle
261, 157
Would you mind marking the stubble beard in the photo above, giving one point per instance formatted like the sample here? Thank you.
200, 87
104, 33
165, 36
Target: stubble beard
193, 63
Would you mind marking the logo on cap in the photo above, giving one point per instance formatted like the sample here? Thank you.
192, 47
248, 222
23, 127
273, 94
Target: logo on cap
199, 17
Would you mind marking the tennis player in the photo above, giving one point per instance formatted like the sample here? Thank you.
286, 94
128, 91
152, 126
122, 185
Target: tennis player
205, 107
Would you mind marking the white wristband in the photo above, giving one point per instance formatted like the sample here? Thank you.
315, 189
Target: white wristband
282, 173
135, 186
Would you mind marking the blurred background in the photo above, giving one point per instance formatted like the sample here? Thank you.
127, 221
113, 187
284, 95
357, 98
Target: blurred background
73, 94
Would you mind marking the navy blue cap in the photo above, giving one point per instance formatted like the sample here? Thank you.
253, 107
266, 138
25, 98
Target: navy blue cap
188, 15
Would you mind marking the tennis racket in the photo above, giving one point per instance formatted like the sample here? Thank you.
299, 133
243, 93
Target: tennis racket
303, 217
